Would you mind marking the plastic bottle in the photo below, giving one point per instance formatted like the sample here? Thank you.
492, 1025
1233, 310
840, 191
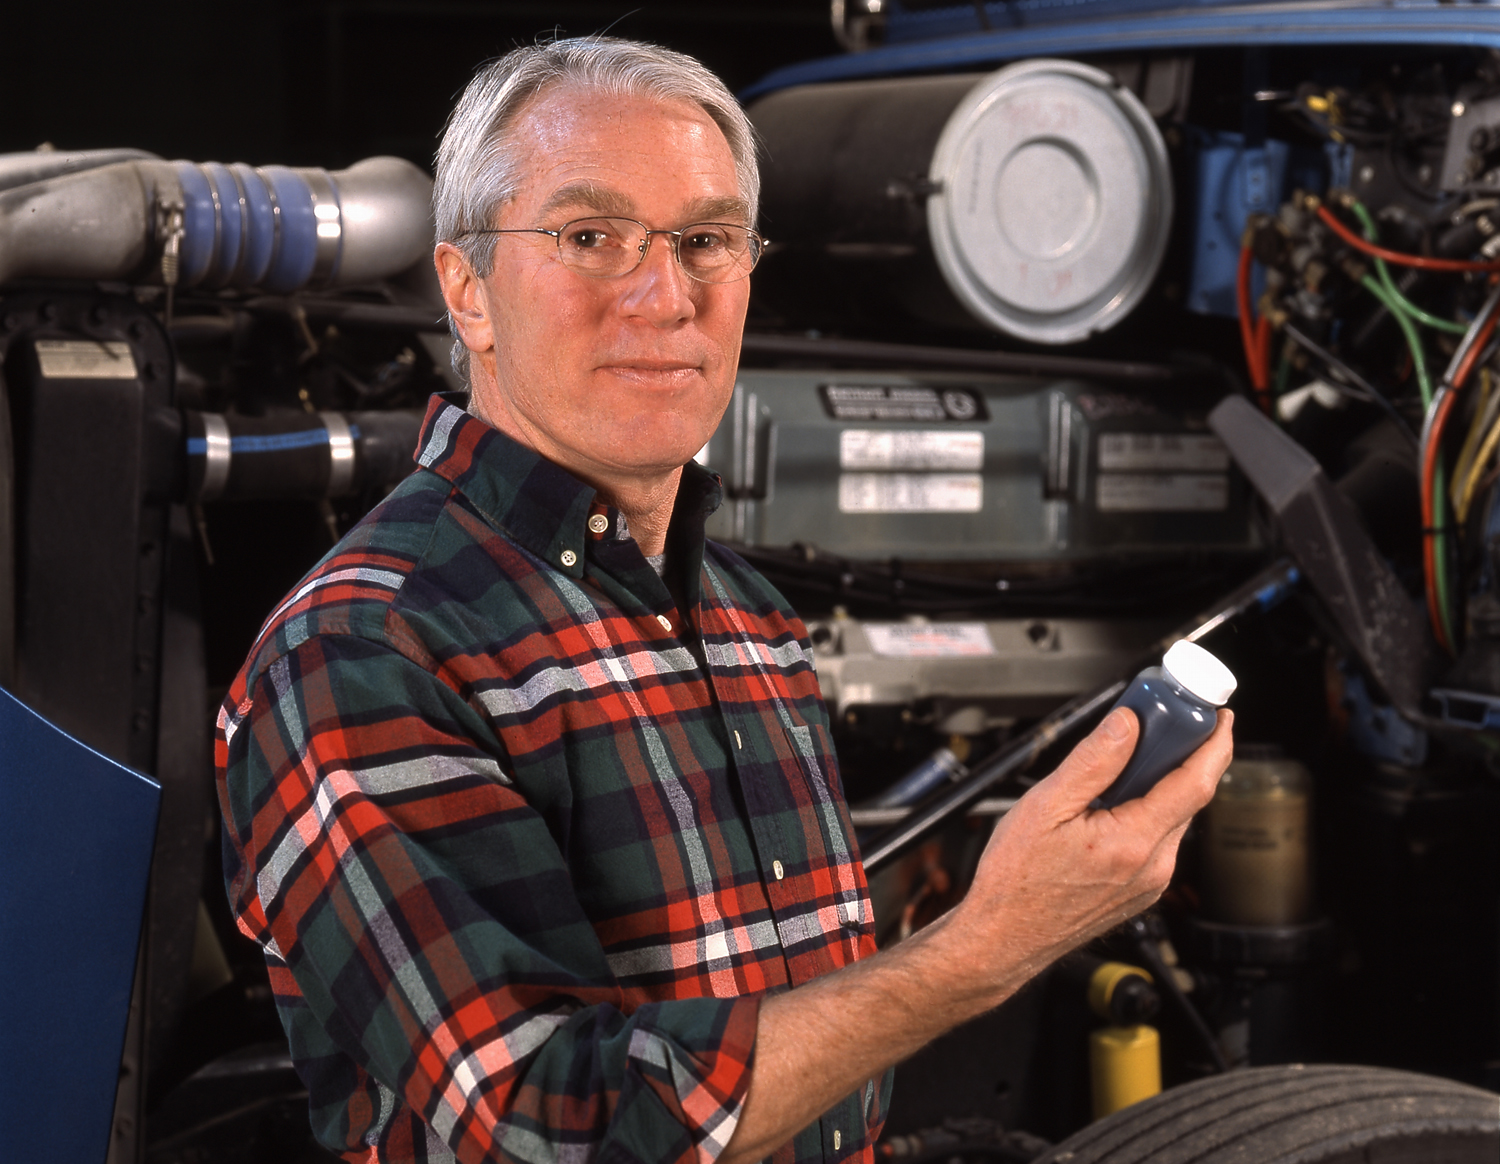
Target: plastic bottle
1176, 706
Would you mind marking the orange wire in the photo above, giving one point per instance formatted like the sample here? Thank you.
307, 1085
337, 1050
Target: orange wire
1400, 257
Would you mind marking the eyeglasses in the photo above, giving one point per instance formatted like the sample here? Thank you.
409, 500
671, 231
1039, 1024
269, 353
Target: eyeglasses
605, 248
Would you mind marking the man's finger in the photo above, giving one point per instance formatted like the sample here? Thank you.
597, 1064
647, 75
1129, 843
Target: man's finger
1184, 791
1093, 765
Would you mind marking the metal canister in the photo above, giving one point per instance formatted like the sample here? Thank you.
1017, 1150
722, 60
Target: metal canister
1256, 855
1124, 1067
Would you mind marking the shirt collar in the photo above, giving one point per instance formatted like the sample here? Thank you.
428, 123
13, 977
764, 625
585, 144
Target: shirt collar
539, 504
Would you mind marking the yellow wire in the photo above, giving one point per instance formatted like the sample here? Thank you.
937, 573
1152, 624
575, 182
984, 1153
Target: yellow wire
1476, 431
1476, 471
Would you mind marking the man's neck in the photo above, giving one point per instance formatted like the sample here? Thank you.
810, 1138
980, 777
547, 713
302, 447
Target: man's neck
647, 509
646, 501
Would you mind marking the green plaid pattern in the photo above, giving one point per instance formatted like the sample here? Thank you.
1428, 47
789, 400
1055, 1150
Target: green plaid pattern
522, 848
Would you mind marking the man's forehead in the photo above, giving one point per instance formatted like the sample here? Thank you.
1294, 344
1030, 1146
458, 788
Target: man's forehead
573, 141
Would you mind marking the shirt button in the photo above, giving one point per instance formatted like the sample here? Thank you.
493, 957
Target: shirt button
738, 743
598, 523
838, 1139
666, 623
778, 870
567, 558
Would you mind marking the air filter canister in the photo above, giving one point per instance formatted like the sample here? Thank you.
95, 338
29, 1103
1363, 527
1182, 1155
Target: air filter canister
1035, 200
1054, 201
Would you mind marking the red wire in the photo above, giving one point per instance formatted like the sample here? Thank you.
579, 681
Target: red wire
1247, 322
1429, 534
1263, 358
1400, 257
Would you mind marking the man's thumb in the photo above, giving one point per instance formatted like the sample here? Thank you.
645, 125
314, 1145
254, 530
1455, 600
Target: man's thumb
1092, 766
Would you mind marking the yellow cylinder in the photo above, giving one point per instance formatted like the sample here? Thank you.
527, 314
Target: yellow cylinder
1124, 1066
1102, 985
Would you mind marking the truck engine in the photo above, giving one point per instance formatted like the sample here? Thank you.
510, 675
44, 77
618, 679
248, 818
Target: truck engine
1080, 331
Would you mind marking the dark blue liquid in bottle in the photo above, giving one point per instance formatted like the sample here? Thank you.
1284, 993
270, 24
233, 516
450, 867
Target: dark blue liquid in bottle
1176, 706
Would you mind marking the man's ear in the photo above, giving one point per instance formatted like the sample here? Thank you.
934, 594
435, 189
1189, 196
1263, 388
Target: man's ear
463, 292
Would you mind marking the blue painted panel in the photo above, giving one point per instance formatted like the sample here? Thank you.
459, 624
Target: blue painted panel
1232, 183
956, 18
1399, 24
75, 852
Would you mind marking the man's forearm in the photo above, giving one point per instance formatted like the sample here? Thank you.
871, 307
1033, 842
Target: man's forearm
817, 1044
1054, 874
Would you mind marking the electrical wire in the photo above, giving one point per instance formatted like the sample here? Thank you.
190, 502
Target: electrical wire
1476, 471
1358, 387
1478, 426
1409, 330
1253, 335
1401, 258
1435, 531
1367, 221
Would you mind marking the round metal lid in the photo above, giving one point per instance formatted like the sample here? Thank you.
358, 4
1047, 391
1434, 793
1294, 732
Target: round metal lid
1054, 201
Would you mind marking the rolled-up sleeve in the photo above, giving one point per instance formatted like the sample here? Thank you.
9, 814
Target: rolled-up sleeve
428, 950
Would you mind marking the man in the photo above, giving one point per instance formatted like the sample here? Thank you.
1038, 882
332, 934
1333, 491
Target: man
529, 791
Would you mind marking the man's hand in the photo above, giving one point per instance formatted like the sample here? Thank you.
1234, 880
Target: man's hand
1055, 874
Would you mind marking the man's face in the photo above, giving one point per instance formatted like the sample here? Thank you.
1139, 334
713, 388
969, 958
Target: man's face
620, 379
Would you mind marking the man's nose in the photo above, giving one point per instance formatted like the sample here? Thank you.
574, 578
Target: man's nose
659, 289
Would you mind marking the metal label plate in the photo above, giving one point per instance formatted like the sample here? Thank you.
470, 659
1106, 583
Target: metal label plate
902, 402
85, 359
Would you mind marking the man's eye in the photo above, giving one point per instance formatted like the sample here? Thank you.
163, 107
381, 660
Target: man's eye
705, 239
589, 238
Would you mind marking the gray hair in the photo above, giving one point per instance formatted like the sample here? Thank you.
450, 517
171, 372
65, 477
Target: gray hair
477, 170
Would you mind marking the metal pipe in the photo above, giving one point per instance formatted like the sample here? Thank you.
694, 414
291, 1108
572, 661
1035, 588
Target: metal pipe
1263, 591
21, 169
922, 356
187, 225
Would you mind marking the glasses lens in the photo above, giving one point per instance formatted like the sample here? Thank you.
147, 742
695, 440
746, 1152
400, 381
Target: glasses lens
600, 247
718, 252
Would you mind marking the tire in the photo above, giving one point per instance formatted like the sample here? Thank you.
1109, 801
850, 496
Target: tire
1298, 1115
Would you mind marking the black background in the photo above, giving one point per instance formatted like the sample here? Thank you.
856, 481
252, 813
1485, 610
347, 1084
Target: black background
325, 82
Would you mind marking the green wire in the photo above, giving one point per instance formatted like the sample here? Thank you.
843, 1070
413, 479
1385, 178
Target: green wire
1389, 283
1439, 482
1283, 371
1409, 329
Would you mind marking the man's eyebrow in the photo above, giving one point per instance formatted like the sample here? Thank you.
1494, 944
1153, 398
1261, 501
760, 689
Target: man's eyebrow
589, 196
721, 209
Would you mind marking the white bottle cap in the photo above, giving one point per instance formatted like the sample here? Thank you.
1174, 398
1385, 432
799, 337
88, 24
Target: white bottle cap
1199, 673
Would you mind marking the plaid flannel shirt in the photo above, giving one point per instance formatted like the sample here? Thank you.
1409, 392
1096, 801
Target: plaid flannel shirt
521, 849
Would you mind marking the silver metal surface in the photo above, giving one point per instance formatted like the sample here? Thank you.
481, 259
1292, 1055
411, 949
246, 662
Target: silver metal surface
976, 671
1053, 201
21, 169
94, 225
879, 818
340, 453
386, 220
216, 456
330, 224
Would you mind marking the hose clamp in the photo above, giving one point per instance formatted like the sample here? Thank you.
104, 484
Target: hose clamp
216, 456
330, 224
340, 454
